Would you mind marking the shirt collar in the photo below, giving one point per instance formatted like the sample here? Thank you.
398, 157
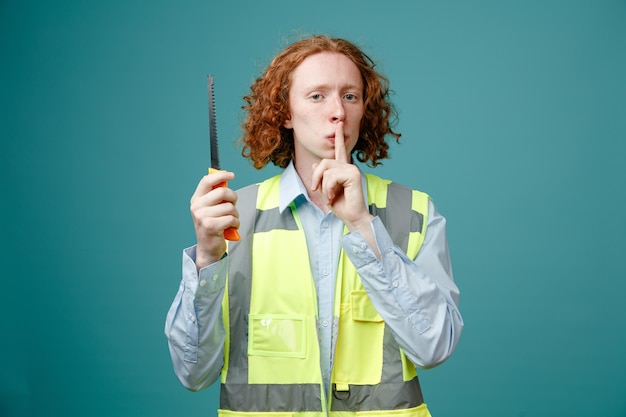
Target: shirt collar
291, 187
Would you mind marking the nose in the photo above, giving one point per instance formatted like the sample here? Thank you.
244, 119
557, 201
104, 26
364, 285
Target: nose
338, 112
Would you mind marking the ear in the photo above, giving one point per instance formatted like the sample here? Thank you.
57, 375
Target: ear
287, 124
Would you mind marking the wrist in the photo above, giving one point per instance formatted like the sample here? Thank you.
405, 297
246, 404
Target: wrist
362, 224
364, 227
206, 258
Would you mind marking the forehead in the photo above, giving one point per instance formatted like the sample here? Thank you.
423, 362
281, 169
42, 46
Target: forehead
326, 68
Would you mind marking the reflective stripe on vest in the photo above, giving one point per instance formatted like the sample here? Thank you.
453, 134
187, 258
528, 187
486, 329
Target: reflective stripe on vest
268, 336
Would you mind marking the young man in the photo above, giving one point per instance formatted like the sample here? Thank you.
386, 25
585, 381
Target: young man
341, 284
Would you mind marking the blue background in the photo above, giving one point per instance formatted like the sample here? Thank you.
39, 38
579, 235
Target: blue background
513, 115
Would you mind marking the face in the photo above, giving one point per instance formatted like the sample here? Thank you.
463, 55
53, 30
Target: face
326, 88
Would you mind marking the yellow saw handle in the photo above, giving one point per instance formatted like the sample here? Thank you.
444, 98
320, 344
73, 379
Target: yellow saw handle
230, 233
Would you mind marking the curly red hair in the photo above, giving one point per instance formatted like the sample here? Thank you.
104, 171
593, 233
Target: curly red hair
265, 139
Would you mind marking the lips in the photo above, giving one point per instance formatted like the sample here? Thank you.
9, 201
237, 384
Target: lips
332, 138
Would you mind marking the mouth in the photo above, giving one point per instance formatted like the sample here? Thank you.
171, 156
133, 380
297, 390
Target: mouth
331, 138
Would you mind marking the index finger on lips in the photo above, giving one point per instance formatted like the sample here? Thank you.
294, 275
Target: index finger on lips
340, 145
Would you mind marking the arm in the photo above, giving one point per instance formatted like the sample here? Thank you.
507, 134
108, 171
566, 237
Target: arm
417, 299
194, 326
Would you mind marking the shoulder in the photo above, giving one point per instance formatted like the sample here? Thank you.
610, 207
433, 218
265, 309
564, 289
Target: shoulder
376, 184
264, 193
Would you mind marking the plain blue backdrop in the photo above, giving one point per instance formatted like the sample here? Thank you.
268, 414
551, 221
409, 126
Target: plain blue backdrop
513, 115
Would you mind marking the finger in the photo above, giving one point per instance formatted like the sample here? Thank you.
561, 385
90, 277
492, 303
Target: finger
213, 220
208, 182
220, 178
214, 197
224, 214
320, 171
340, 145
316, 177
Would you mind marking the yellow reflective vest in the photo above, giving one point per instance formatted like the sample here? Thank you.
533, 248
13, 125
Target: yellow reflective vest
272, 358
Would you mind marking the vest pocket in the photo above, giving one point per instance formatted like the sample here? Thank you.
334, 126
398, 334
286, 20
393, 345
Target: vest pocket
361, 307
281, 349
277, 335
359, 350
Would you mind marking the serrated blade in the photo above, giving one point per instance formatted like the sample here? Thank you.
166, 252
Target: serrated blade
215, 156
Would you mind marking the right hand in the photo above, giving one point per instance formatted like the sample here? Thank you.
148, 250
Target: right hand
213, 211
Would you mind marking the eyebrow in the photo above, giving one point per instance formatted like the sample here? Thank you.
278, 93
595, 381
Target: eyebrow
328, 87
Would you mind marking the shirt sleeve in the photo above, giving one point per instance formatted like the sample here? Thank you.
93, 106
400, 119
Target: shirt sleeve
194, 326
418, 299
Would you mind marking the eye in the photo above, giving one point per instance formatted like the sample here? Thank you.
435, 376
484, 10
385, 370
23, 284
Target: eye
351, 97
316, 97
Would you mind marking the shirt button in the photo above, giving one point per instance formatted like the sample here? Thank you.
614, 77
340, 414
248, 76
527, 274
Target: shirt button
324, 224
355, 250
215, 277
325, 272
192, 318
394, 284
202, 283
363, 246
325, 323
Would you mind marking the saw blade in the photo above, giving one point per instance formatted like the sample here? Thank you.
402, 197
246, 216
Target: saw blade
215, 156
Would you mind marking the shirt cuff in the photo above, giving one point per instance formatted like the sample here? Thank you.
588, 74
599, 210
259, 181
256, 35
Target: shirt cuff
211, 278
359, 251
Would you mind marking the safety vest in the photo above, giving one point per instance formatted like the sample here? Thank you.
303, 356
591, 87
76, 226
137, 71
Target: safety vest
272, 359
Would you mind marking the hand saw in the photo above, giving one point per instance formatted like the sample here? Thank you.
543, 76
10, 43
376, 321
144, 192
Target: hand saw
231, 232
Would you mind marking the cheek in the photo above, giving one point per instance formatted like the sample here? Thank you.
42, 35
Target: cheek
351, 144
357, 118
300, 116
354, 135
355, 127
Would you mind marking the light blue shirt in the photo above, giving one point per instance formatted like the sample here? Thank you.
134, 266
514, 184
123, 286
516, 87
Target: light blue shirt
418, 299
